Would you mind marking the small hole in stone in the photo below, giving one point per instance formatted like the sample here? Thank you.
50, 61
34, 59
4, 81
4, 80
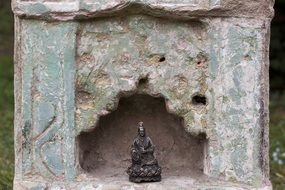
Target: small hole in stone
162, 59
199, 100
143, 81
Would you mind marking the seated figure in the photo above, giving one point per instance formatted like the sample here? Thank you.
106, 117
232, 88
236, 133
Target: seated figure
144, 166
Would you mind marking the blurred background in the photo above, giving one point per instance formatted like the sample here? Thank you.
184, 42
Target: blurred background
277, 96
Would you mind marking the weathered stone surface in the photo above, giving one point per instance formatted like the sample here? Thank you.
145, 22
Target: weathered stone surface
115, 54
47, 98
172, 183
72, 9
209, 62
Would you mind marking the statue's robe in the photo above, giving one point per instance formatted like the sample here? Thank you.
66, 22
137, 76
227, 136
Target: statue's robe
144, 143
144, 165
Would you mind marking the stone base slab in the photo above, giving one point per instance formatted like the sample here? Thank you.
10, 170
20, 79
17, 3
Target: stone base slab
122, 183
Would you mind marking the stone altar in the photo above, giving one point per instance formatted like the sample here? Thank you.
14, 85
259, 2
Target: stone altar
84, 67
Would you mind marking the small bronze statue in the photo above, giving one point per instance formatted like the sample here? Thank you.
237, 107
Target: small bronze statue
144, 166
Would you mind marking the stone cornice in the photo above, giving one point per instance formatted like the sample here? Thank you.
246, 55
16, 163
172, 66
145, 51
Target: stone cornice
84, 9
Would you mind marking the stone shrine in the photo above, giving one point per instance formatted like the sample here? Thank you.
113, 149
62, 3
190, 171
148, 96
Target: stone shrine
195, 71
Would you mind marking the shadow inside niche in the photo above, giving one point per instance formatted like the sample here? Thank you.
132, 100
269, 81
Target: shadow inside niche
105, 151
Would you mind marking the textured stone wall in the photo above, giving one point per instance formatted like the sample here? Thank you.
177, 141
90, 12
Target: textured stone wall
73, 64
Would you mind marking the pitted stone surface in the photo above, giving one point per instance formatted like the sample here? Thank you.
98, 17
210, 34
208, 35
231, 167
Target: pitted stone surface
115, 54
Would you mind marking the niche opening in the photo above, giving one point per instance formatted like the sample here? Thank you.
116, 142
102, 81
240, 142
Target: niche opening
105, 151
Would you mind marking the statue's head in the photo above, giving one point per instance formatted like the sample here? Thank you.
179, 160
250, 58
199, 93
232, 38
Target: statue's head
141, 129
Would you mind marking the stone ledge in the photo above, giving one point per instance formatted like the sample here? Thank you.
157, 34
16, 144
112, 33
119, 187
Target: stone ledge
167, 183
84, 9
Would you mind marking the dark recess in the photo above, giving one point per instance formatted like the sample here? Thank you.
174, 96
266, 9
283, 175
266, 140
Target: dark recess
199, 100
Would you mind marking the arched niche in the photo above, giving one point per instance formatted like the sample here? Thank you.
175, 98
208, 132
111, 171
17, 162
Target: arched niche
104, 150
